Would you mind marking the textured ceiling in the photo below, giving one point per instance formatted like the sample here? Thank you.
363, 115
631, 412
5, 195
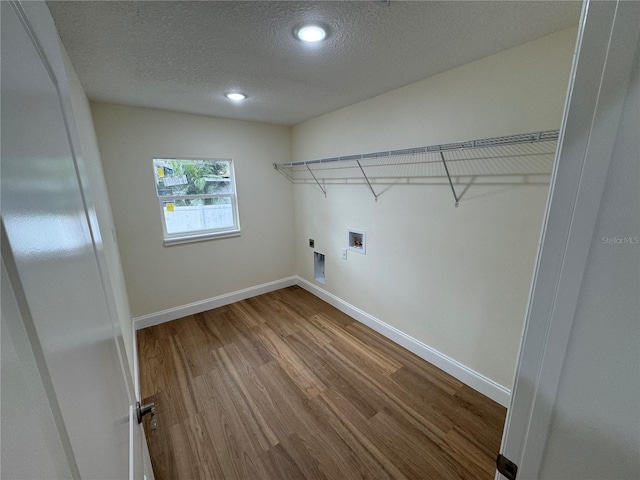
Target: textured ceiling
182, 55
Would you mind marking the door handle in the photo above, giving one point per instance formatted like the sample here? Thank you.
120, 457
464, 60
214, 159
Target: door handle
142, 410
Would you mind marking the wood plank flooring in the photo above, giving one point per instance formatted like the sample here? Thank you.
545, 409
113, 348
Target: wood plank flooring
284, 386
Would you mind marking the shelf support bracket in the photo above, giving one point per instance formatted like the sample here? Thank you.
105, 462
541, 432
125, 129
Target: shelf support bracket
453, 190
314, 177
283, 173
367, 180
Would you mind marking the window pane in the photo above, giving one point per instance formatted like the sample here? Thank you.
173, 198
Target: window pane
198, 214
219, 186
192, 177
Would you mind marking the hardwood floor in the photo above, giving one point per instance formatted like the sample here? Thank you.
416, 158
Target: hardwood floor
284, 386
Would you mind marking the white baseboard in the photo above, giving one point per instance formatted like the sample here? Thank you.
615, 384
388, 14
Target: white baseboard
463, 373
210, 303
475, 380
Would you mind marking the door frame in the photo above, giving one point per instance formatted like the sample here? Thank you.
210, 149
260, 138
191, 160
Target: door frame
606, 44
36, 20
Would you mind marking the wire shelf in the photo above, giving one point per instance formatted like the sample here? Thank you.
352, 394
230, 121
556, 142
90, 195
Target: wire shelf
524, 155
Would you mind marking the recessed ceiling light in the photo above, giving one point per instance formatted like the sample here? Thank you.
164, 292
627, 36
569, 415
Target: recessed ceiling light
310, 32
235, 96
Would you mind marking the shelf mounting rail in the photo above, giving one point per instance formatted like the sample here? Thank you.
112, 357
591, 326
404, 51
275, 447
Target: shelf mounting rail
535, 137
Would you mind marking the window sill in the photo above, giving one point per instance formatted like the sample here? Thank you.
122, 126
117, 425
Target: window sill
168, 242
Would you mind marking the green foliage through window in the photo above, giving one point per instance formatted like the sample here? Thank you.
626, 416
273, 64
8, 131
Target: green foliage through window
184, 185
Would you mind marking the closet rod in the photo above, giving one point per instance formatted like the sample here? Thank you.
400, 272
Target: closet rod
535, 137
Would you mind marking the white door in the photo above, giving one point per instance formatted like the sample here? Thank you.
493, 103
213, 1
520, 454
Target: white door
67, 396
574, 410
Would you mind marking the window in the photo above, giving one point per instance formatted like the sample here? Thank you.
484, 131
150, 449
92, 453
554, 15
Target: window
197, 199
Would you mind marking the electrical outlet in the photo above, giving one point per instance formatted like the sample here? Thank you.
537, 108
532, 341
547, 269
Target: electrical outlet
344, 253
312, 242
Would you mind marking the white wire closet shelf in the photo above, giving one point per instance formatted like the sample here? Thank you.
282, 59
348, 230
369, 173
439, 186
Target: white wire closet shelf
519, 158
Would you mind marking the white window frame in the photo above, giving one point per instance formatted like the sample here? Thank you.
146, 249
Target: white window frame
206, 234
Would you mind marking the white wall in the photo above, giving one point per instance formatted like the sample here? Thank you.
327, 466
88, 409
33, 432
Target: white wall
595, 427
90, 157
158, 277
454, 279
